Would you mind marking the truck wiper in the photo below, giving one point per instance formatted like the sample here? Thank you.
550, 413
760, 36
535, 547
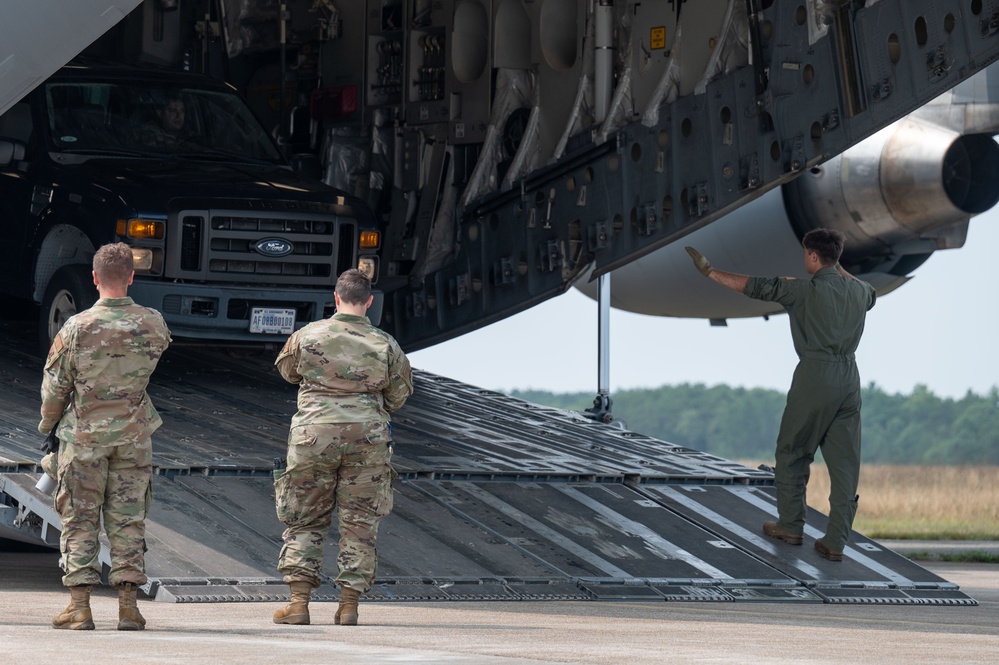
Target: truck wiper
114, 152
223, 155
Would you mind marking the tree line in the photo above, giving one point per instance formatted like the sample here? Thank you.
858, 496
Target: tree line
741, 423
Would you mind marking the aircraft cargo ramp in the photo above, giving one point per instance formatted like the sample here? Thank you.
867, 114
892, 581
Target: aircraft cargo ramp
496, 499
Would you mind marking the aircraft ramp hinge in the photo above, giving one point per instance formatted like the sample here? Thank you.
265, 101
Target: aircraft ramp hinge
883, 89
937, 63
601, 409
599, 235
830, 120
461, 289
990, 25
697, 206
416, 306
503, 271
648, 223
797, 154
550, 258
753, 177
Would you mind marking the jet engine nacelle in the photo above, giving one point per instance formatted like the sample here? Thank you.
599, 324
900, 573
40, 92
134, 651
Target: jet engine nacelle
898, 196
913, 181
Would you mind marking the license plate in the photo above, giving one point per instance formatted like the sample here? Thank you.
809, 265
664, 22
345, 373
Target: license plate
272, 320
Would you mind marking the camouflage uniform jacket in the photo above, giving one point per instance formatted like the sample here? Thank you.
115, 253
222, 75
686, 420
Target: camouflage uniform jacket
348, 371
99, 366
154, 136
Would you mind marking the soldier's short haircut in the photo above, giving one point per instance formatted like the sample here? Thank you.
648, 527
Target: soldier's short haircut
827, 243
172, 96
113, 264
353, 287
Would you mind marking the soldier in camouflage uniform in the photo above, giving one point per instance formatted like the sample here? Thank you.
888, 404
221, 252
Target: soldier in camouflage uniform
827, 316
94, 388
351, 375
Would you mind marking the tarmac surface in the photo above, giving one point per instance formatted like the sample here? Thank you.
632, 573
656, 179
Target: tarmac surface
615, 633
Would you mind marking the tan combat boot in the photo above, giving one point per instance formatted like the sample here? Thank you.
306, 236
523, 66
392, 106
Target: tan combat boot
128, 610
297, 611
346, 614
77, 615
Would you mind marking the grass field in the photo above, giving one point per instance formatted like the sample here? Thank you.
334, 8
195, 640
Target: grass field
913, 502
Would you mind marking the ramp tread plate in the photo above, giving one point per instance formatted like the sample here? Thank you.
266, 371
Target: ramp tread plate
588, 530
424, 539
621, 591
406, 592
232, 593
894, 596
774, 594
684, 593
212, 528
737, 516
554, 590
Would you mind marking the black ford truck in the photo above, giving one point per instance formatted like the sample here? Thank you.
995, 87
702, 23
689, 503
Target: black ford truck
229, 242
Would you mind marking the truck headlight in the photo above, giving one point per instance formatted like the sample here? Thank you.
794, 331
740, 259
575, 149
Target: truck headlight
146, 260
142, 259
369, 266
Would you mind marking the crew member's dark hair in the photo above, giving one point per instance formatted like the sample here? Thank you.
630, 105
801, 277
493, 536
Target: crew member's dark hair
353, 287
113, 264
827, 243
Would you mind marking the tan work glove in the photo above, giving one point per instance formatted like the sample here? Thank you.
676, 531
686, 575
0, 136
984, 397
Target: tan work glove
700, 262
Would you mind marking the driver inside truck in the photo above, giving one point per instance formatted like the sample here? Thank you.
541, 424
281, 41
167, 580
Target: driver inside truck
169, 127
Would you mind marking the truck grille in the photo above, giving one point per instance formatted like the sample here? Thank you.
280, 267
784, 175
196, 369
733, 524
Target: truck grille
304, 249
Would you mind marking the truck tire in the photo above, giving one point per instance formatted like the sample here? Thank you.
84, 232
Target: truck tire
70, 290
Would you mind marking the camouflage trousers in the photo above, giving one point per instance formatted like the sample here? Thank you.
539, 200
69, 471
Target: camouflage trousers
346, 466
113, 482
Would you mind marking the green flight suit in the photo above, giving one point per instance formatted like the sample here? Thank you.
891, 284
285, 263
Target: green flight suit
827, 316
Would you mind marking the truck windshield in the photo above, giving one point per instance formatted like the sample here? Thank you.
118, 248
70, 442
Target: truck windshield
135, 118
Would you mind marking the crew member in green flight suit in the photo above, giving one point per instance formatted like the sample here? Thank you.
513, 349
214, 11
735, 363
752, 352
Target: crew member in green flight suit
827, 314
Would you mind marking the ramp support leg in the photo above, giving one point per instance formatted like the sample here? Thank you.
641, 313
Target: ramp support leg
601, 409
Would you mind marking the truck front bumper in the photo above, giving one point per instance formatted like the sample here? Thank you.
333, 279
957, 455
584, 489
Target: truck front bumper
201, 311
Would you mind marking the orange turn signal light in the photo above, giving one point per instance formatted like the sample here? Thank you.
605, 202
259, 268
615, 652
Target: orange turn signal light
145, 228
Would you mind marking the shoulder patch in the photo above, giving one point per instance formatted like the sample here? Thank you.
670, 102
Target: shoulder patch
57, 344
56, 350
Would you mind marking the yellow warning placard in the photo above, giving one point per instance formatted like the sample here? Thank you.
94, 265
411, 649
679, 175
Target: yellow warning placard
657, 37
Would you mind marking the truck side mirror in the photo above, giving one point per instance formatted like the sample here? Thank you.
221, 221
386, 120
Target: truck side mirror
10, 152
307, 165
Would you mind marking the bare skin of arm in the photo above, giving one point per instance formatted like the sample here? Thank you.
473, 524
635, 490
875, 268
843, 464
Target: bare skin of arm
730, 280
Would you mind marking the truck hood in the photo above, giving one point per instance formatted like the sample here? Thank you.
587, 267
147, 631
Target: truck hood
144, 183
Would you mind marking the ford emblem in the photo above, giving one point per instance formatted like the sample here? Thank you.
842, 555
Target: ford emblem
274, 247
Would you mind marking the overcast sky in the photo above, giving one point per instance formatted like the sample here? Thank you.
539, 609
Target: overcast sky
941, 330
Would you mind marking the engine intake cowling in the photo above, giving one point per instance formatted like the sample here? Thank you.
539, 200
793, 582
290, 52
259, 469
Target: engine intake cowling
912, 181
